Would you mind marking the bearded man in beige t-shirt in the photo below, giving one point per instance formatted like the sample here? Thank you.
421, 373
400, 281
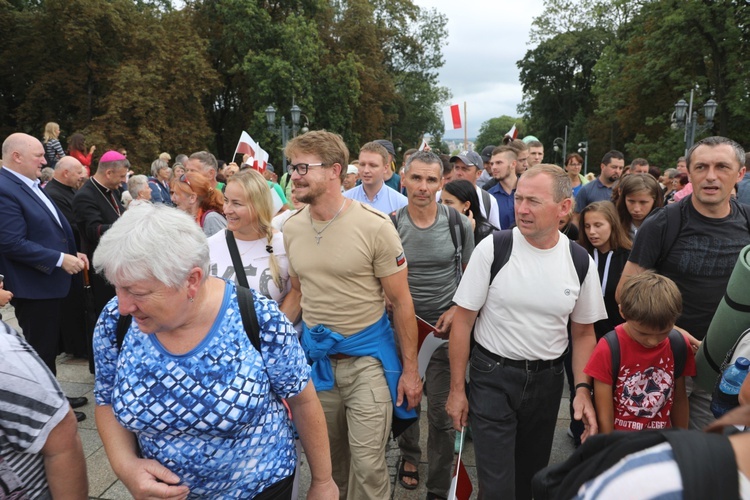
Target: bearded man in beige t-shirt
344, 259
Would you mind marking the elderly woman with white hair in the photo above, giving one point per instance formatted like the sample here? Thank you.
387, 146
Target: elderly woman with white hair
186, 389
159, 182
139, 190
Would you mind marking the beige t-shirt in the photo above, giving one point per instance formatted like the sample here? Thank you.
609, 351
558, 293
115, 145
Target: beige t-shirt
340, 276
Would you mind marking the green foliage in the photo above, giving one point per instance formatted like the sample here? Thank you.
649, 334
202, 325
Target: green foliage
493, 130
153, 75
612, 71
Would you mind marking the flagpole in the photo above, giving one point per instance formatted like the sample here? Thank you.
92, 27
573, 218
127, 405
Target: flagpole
237, 148
466, 130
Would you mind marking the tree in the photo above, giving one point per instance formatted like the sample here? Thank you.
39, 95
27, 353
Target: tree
493, 130
557, 78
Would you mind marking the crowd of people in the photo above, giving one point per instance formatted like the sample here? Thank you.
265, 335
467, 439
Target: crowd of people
246, 316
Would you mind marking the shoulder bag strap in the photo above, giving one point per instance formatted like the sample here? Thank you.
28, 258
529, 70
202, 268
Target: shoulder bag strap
239, 268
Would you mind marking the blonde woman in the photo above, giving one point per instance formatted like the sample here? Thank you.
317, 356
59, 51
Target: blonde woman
53, 151
248, 209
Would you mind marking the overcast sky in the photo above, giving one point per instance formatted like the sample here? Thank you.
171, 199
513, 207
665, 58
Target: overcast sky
485, 39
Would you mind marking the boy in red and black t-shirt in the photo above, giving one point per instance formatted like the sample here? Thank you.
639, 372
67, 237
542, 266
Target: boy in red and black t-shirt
646, 394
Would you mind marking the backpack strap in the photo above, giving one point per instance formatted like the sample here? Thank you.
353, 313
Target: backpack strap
581, 260
394, 218
249, 316
239, 268
672, 231
487, 202
679, 352
503, 246
707, 464
614, 349
123, 324
457, 235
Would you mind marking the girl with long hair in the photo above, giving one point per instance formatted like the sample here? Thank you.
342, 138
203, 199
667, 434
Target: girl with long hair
249, 211
639, 195
461, 195
192, 193
606, 240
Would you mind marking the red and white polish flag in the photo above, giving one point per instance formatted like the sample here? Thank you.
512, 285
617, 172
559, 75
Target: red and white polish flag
513, 132
246, 145
452, 117
461, 487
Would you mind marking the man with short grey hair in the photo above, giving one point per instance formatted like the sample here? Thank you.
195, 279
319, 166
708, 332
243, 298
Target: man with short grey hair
205, 164
437, 250
516, 369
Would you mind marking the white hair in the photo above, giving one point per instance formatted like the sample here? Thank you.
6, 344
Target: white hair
136, 184
152, 241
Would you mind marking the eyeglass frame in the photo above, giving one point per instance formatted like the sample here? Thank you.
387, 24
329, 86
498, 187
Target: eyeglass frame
292, 167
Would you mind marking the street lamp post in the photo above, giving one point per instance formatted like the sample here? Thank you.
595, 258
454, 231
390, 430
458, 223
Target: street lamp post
583, 147
284, 130
685, 117
559, 146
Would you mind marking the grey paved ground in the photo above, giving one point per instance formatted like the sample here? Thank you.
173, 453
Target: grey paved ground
76, 380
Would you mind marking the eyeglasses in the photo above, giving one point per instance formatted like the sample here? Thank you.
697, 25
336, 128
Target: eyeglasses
302, 168
183, 178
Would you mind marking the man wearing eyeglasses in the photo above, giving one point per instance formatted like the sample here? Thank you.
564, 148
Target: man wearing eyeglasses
344, 258
373, 163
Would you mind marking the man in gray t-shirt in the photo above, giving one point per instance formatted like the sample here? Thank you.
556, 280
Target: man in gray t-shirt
434, 271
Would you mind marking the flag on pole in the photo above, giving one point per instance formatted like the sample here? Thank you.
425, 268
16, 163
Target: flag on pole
512, 133
461, 487
452, 117
246, 145
261, 160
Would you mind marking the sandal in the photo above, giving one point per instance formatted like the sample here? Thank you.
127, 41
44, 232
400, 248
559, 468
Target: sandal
407, 473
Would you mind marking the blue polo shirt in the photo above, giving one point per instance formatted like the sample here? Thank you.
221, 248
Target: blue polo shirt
591, 192
387, 200
505, 205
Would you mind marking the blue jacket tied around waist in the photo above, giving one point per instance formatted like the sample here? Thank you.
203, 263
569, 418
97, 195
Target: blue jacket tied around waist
376, 340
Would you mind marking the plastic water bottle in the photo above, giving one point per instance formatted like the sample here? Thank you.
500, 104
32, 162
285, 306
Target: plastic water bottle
726, 398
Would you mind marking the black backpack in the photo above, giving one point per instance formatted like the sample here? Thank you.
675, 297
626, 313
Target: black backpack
676, 342
675, 218
707, 463
503, 242
457, 235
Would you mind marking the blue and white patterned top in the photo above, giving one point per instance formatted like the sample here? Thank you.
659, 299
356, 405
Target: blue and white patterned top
213, 415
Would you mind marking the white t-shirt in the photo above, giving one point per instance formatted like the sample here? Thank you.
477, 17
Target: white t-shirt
524, 312
256, 260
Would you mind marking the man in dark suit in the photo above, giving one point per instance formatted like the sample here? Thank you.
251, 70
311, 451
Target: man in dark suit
97, 206
37, 248
69, 174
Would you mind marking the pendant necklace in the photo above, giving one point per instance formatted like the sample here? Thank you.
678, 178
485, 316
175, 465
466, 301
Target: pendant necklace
319, 234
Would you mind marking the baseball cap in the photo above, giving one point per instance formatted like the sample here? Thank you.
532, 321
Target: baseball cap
529, 138
470, 158
487, 153
388, 145
351, 169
